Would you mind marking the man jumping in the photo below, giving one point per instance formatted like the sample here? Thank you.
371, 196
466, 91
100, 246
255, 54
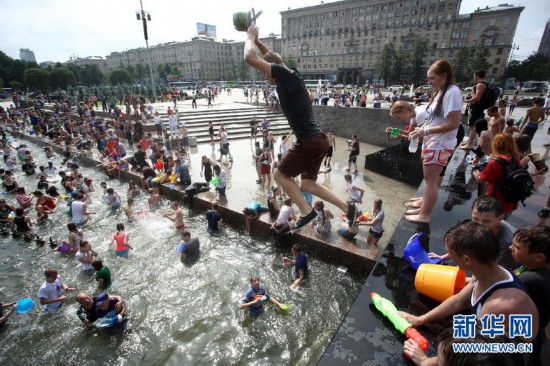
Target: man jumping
307, 153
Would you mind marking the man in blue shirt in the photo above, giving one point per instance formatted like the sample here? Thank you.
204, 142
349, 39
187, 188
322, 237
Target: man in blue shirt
255, 296
214, 218
188, 247
300, 265
182, 171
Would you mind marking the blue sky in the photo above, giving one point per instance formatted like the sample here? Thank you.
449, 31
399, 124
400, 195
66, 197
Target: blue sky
57, 29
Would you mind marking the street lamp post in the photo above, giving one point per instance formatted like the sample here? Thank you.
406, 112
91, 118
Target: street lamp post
144, 17
515, 47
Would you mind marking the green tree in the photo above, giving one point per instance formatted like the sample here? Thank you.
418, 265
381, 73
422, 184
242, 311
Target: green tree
231, 71
17, 71
479, 60
96, 76
16, 85
61, 78
385, 62
132, 71
244, 71
120, 76
37, 79
141, 71
461, 66
400, 65
289, 61
534, 67
418, 57
5, 66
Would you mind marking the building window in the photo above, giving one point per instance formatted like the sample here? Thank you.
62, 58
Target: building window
497, 61
488, 42
507, 20
474, 43
499, 51
493, 21
494, 70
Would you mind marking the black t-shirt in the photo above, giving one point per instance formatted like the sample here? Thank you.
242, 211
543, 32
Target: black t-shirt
140, 158
295, 101
538, 286
148, 172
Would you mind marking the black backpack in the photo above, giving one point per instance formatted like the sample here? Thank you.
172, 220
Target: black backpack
489, 98
517, 184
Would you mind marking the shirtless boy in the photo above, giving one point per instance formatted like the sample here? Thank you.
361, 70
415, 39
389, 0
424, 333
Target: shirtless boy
533, 117
176, 215
473, 247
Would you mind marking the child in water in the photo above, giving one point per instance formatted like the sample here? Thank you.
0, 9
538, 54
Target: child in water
255, 296
121, 239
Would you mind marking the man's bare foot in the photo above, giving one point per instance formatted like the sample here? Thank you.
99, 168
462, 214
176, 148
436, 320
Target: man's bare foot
421, 219
414, 352
412, 204
414, 211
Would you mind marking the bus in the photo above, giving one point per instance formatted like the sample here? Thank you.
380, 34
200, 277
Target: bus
316, 83
534, 86
183, 85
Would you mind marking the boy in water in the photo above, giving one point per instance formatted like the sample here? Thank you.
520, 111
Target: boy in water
51, 291
311, 145
255, 296
176, 215
102, 275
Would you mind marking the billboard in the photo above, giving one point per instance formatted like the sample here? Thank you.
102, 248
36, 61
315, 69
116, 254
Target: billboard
206, 30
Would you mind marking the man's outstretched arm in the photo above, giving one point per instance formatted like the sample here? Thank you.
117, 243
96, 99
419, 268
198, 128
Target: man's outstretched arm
250, 55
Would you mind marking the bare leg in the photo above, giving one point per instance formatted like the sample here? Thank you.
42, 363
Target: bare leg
291, 188
429, 196
324, 193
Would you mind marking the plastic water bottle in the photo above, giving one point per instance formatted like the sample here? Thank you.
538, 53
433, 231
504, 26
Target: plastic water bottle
395, 132
413, 145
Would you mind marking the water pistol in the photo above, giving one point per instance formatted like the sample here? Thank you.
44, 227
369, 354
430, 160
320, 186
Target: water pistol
363, 217
387, 308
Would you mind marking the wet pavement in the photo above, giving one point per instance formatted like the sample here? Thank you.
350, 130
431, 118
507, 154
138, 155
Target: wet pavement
366, 336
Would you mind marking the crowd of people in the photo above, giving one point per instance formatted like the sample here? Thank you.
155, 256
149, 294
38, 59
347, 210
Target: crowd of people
511, 270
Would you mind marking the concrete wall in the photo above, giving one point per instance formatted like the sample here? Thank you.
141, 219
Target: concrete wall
368, 123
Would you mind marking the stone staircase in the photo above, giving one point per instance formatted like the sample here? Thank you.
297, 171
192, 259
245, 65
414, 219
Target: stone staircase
236, 121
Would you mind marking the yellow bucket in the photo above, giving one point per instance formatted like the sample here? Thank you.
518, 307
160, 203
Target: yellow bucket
438, 281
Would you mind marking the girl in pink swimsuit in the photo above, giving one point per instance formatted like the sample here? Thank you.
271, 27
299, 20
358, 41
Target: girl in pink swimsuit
121, 239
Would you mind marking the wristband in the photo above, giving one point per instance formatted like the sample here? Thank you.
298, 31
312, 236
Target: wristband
426, 131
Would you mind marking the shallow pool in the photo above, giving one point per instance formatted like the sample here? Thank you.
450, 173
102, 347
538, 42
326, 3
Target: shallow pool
179, 314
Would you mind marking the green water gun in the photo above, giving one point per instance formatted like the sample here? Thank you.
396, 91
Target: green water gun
389, 310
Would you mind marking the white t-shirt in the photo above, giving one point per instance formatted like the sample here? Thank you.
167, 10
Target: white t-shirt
156, 118
452, 102
51, 291
547, 102
284, 214
77, 209
223, 137
420, 112
85, 266
355, 194
173, 120
378, 227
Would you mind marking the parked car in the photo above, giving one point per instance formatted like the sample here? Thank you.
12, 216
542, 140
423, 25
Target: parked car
395, 88
425, 87
349, 86
338, 86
